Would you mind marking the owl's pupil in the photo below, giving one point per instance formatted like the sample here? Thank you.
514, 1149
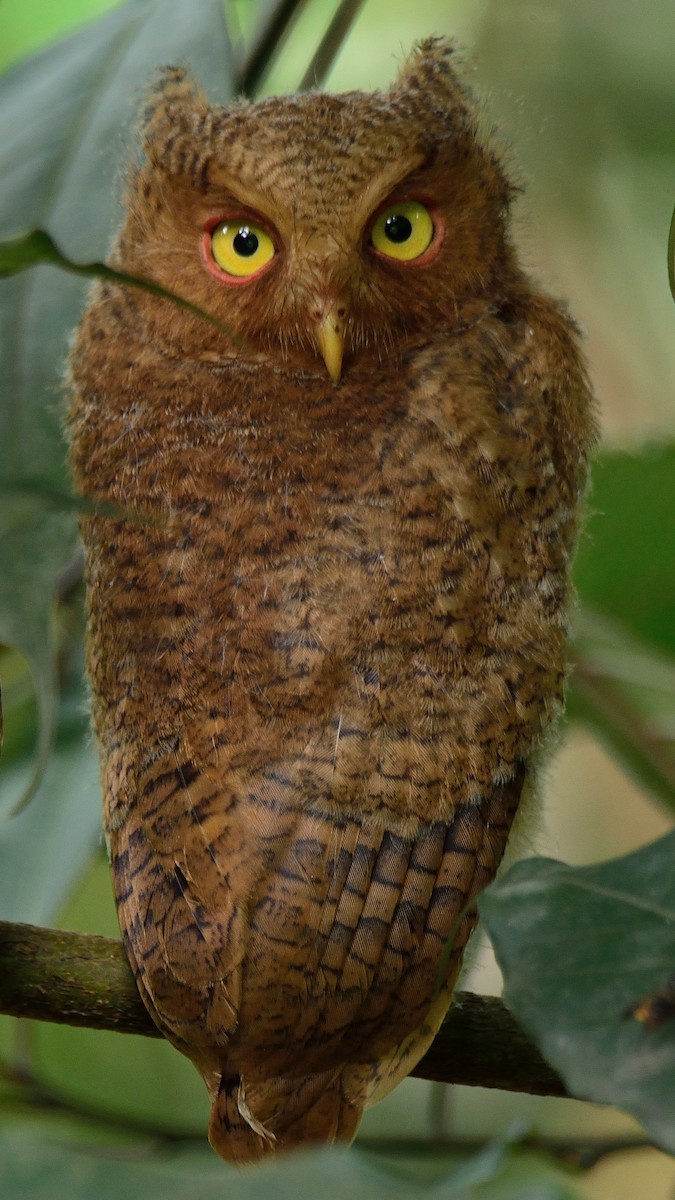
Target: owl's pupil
397, 228
245, 242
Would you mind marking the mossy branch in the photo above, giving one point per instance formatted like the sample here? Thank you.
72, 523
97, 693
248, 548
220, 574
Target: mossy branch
81, 979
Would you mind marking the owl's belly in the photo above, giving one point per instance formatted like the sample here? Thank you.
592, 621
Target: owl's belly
375, 655
324, 777
314, 703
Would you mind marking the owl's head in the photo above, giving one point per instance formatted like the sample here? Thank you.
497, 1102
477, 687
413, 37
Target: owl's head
318, 226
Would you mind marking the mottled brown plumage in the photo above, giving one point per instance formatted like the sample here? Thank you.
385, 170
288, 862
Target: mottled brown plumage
327, 640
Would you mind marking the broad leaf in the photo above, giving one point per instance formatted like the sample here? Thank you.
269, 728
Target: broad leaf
64, 121
579, 949
49, 1170
624, 689
624, 684
625, 566
47, 847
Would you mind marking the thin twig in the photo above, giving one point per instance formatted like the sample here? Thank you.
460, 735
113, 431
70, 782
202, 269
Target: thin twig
602, 695
269, 34
28, 1094
330, 44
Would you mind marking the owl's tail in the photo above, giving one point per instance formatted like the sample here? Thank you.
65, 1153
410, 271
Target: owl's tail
277, 1115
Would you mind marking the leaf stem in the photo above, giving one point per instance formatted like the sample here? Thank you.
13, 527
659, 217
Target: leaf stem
612, 715
269, 33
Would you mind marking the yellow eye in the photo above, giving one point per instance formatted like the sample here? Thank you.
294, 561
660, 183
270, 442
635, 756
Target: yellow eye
240, 248
403, 231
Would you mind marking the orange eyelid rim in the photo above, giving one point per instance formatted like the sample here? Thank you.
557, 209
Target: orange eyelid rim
434, 245
209, 261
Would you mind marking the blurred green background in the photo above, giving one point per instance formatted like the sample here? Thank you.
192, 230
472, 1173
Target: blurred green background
581, 95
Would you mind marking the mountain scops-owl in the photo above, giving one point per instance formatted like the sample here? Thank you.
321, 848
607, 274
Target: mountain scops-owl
328, 609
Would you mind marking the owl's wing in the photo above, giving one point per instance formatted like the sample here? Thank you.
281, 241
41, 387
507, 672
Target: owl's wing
303, 961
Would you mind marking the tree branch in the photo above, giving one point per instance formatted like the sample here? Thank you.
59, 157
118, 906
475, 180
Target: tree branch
70, 979
81, 979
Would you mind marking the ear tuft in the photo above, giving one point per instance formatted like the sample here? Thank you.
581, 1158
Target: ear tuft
428, 73
175, 108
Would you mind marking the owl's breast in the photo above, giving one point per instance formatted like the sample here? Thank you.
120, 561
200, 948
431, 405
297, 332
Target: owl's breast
365, 589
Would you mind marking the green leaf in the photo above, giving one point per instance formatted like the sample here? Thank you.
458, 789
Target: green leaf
47, 846
35, 540
64, 121
624, 689
526, 1176
625, 567
37, 247
578, 947
44, 1168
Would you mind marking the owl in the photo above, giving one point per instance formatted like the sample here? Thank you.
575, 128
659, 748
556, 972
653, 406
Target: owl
328, 577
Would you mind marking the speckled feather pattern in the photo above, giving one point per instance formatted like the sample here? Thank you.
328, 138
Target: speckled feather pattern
327, 628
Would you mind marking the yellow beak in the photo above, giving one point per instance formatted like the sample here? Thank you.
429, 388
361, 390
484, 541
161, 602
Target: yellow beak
331, 338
